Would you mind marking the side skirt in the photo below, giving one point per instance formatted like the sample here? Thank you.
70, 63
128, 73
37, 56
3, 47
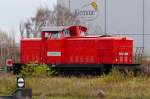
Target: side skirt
84, 67
96, 67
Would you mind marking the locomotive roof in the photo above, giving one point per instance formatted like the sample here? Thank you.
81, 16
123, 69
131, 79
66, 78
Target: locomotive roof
58, 28
31, 39
103, 38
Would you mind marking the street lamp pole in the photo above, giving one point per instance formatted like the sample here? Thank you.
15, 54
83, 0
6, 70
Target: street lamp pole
143, 23
105, 17
69, 5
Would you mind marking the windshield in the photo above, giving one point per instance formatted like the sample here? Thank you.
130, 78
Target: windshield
66, 33
56, 35
52, 35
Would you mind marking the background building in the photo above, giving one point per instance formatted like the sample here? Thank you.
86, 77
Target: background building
91, 13
121, 17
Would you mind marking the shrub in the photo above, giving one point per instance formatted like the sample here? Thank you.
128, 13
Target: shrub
40, 70
115, 76
37, 70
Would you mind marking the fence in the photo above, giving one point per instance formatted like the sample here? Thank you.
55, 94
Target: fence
13, 53
8, 53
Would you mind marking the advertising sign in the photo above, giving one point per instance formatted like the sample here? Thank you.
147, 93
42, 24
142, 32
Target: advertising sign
90, 12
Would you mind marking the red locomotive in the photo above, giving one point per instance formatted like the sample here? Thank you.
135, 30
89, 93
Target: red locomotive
69, 47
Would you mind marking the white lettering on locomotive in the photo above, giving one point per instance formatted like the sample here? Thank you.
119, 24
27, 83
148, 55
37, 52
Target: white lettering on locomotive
123, 53
53, 53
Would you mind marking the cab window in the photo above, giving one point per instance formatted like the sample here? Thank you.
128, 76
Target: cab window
66, 33
47, 35
53, 35
56, 35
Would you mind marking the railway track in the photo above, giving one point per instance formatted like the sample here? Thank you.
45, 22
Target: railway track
137, 70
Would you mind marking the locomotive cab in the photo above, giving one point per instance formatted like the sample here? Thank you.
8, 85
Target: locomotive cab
63, 32
51, 33
53, 40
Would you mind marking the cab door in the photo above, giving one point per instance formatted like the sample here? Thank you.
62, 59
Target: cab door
43, 49
54, 48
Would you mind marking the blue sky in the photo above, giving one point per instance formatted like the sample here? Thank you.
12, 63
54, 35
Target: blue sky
14, 11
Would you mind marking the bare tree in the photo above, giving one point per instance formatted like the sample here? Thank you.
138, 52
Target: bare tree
44, 17
65, 17
8, 47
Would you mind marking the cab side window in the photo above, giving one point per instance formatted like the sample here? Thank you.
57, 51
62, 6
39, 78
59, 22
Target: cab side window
66, 33
56, 35
47, 35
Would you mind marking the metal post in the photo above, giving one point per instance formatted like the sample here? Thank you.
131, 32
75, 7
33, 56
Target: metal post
1, 57
21, 92
143, 23
105, 17
70, 5
5, 71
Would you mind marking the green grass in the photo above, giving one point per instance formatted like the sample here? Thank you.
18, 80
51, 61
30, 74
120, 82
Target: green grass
112, 86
